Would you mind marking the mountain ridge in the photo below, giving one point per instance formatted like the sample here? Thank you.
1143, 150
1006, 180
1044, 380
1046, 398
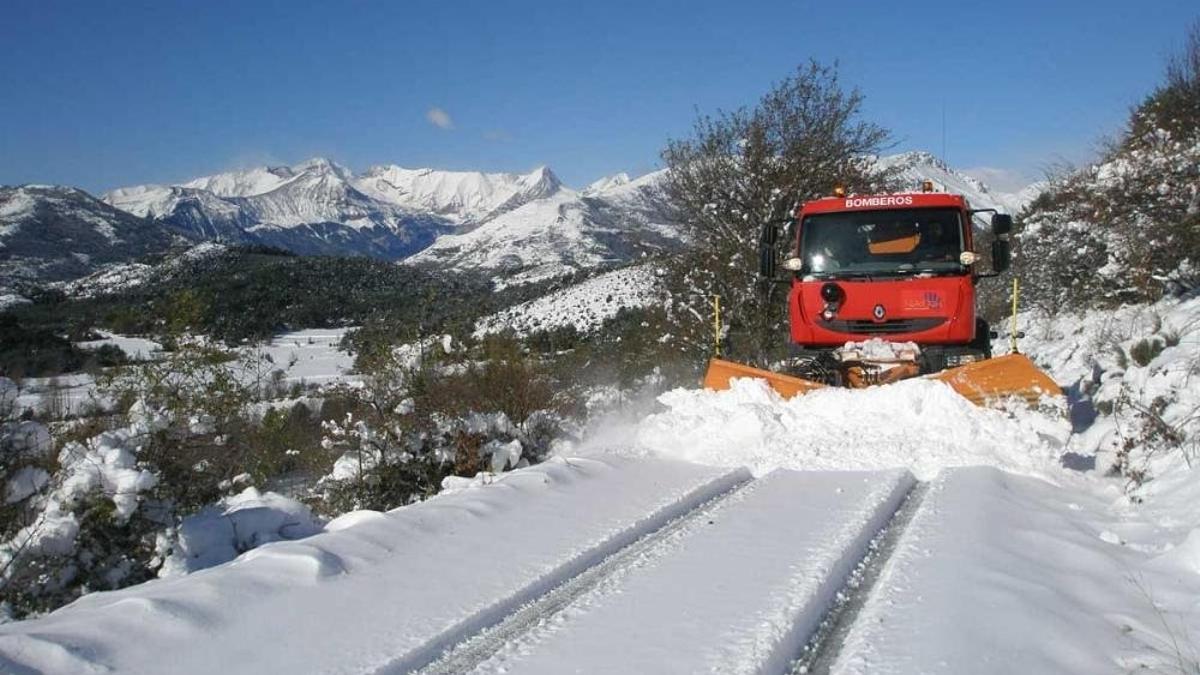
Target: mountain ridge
517, 227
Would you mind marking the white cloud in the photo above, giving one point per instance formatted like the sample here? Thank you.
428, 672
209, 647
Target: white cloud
1002, 180
439, 118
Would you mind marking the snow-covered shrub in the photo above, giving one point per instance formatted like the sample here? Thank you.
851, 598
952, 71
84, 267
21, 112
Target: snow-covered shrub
83, 526
26, 460
122, 496
1131, 373
427, 413
1127, 228
234, 525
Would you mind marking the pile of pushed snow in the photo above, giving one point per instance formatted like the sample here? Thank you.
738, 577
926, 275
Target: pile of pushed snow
919, 424
586, 305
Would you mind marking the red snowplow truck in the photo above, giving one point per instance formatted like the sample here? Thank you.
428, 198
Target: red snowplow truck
883, 289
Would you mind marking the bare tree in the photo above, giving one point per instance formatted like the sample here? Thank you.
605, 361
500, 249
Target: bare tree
740, 170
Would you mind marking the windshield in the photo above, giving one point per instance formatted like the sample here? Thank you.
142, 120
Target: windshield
881, 242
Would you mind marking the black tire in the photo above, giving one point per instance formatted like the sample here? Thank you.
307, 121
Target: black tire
983, 339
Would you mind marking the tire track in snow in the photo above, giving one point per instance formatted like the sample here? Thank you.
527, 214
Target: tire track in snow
825, 646
521, 628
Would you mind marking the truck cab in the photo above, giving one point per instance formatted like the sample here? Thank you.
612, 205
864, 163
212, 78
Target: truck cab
899, 267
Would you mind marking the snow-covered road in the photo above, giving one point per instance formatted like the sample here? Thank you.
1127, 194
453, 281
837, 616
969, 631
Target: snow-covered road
616, 565
646, 565
739, 589
660, 565
624, 565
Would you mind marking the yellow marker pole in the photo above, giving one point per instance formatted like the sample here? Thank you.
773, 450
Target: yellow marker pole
1013, 332
717, 323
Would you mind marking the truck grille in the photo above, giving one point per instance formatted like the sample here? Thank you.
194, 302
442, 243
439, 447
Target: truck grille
889, 327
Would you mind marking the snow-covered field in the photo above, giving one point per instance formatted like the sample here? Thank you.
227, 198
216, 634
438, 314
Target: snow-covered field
309, 357
716, 532
138, 349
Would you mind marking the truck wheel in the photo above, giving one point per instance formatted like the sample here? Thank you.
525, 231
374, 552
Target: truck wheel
983, 340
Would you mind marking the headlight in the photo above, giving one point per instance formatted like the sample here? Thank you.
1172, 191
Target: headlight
968, 257
832, 293
793, 264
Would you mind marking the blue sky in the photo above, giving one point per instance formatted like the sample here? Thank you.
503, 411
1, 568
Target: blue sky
99, 94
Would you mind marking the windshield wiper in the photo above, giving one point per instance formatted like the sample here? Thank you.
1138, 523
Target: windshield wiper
927, 270
852, 274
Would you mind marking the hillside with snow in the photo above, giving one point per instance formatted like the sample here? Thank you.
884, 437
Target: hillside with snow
55, 233
585, 306
564, 233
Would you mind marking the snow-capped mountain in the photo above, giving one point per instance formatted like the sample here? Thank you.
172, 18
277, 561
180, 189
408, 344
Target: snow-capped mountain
563, 233
255, 181
52, 233
310, 208
914, 167
606, 183
467, 197
195, 211
458, 219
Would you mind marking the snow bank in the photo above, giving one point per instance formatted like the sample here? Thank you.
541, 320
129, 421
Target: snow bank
235, 525
23, 440
1130, 373
919, 424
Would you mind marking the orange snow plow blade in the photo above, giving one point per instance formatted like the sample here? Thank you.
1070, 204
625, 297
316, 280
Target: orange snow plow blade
998, 378
720, 372
980, 382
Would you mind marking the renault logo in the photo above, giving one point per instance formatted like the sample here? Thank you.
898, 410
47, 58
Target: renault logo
879, 312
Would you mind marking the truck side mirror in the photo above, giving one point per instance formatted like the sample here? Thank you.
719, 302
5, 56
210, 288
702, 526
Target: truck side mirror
1001, 224
1001, 255
766, 251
